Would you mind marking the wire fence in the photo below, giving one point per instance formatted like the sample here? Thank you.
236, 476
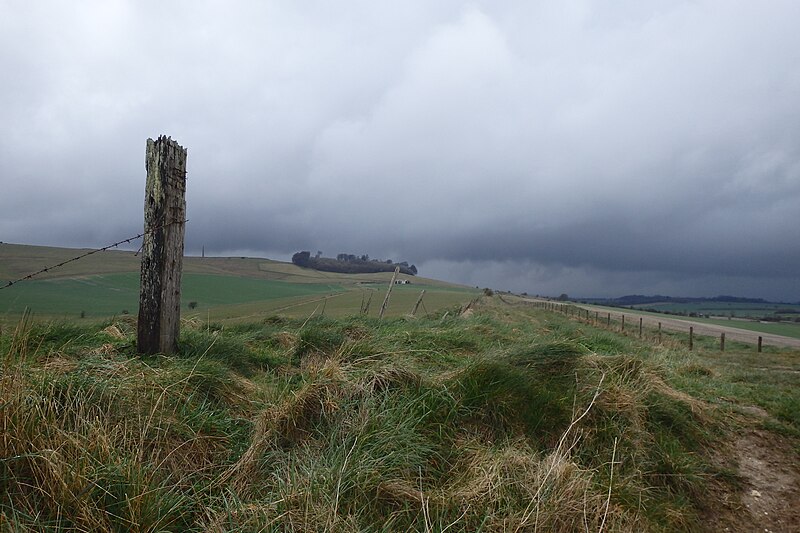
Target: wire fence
86, 254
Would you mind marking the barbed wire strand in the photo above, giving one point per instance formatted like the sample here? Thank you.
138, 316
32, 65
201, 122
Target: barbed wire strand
103, 249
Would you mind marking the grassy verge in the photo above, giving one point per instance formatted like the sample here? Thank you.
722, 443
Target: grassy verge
503, 418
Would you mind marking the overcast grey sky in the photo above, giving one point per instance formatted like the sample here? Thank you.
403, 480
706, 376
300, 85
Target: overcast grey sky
597, 148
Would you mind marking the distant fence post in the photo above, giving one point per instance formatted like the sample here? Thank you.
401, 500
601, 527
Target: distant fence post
640, 327
659, 332
722, 342
623, 322
388, 293
691, 338
419, 301
759, 343
162, 247
365, 308
608, 320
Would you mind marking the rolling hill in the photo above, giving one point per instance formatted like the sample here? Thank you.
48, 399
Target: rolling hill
219, 288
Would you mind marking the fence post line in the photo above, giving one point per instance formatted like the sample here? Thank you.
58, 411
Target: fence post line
162, 247
691, 338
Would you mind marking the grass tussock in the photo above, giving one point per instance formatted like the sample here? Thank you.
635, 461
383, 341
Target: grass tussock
505, 420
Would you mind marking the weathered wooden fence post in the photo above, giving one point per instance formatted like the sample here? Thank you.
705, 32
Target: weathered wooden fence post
722, 342
419, 301
691, 338
365, 310
388, 293
760, 339
162, 247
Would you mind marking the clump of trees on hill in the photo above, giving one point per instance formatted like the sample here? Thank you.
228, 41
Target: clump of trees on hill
350, 264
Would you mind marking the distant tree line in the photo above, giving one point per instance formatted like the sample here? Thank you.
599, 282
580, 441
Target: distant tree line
350, 264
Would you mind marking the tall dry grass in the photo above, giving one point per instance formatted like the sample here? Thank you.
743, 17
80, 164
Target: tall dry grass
493, 422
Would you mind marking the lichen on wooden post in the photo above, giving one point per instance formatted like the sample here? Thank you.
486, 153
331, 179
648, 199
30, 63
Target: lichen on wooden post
162, 247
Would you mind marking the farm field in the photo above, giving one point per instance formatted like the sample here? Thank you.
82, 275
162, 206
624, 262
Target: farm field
726, 309
107, 284
106, 295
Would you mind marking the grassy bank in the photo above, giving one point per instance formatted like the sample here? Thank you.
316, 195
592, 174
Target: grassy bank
501, 418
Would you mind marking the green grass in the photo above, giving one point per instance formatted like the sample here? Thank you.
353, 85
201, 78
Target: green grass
505, 419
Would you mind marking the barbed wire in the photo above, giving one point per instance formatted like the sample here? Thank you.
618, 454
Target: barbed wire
103, 249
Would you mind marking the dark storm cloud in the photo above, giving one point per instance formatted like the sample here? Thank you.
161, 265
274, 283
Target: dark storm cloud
637, 147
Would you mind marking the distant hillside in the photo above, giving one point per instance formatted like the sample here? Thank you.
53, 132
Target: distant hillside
350, 264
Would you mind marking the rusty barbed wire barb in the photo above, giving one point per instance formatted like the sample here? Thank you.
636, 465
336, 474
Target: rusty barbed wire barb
96, 250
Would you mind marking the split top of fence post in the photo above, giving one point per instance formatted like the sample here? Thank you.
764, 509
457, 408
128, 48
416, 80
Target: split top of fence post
162, 247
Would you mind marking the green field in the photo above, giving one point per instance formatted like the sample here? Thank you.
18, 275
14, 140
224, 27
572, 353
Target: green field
230, 289
727, 309
774, 328
114, 294
787, 329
